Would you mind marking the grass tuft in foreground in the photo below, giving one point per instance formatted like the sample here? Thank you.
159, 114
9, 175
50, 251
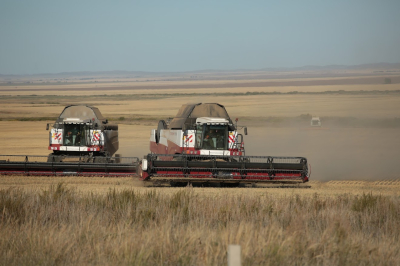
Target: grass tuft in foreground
61, 226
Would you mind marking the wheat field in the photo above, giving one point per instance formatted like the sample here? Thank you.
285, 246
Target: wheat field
350, 215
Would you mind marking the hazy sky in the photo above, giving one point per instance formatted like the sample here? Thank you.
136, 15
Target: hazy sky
92, 35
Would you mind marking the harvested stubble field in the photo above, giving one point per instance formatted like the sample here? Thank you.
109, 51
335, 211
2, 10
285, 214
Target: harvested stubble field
72, 220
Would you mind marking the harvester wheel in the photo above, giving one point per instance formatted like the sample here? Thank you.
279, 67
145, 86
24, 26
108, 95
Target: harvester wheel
53, 158
178, 184
161, 125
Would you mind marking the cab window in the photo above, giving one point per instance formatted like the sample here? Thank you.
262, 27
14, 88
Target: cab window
215, 137
74, 135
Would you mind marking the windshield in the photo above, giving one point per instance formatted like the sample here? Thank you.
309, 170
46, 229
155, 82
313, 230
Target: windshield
212, 137
74, 135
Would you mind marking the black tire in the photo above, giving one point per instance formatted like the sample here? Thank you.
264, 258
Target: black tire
178, 184
161, 125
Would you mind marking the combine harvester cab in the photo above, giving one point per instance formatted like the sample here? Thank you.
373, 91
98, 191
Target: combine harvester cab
202, 144
82, 142
197, 129
82, 131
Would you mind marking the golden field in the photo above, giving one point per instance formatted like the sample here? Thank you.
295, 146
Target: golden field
343, 149
349, 215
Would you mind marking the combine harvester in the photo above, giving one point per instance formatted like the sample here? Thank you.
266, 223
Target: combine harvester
82, 143
202, 144
82, 131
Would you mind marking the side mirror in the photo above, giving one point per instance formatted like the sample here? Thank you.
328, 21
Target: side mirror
245, 131
47, 127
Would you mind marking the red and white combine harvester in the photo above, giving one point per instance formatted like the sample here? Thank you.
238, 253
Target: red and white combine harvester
202, 144
82, 143
82, 131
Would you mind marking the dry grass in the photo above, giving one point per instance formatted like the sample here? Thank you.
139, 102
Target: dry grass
61, 225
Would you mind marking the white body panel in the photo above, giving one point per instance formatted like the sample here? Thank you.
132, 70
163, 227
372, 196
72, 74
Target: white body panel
232, 139
188, 141
73, 148
214, 152
96, 137
56, 136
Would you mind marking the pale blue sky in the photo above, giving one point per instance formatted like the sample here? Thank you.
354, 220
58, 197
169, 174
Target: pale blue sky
50, 36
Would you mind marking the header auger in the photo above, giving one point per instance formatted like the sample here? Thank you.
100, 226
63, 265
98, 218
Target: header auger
77, 166
183, 168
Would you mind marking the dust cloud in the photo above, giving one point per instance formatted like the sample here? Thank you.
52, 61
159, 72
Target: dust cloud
333, 153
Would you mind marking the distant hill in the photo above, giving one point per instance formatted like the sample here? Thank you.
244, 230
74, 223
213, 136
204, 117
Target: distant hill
122, 74
384, 66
